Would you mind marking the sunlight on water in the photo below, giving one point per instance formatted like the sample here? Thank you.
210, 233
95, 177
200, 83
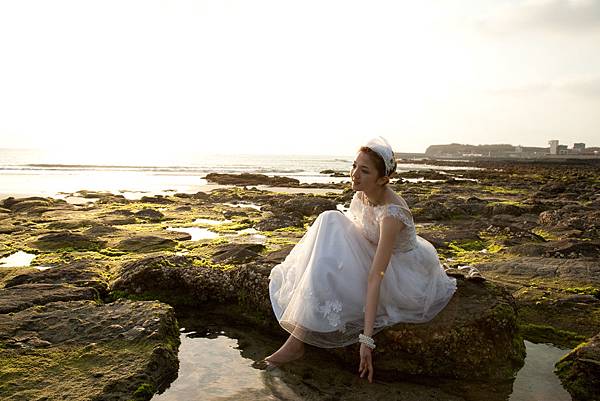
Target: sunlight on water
243, 205
197, 233
213, 369
210, 222
17, 259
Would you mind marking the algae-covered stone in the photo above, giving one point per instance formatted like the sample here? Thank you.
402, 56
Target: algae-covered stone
82, 273
177, 280
27, 295
579, 371
150, 215
66, 240
83, 350
475, 337
146, 243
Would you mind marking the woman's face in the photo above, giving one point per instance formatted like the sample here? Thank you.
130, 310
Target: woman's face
364, 174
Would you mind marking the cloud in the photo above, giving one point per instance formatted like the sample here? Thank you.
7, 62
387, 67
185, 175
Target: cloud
588, 86
557, 16
581, 86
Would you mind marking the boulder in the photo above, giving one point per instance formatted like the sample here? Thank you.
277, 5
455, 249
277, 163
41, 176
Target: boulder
237, 253
151, 215
146, 243
82, 273
579, 371
66, 239
24, 296
475, 337
83, 350
176, 280
251, 179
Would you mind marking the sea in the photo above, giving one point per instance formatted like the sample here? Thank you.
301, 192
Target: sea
55, 173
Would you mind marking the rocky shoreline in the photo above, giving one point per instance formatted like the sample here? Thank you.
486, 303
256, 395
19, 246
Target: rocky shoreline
115, 268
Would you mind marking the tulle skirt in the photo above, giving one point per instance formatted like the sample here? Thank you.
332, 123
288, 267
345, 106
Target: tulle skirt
318, 292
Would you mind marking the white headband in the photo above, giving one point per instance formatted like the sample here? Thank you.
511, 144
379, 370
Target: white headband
380, 146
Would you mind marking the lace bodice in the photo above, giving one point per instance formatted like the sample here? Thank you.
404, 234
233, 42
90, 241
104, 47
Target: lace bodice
368, 219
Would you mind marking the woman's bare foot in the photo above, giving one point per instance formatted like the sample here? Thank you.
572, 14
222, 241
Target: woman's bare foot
291, 350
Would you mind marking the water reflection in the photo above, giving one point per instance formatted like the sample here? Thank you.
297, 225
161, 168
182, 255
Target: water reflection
536, 380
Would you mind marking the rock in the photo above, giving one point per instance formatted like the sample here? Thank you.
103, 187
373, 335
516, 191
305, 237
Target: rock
100, 230
66, 239
24, 296
70, 224
273, 222
31, 205
279, 255
567, 270
159, 199
579, 371
251, 179
308, 206
228, 214
151, 215
475, 337
146, 243
500, 208
82, 350
237, 253
82, 273
175, 280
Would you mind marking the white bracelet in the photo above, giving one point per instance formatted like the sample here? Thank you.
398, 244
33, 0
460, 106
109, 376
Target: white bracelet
366, 340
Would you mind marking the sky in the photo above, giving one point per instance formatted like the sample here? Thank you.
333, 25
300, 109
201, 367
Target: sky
296, 77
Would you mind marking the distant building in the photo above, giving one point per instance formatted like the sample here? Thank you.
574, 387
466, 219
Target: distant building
579, 147
553, 146
562, 150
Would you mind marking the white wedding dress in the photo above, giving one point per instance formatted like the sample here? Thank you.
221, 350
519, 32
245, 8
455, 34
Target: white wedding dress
318, 292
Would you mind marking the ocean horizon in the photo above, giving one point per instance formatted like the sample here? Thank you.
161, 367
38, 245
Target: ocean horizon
36, 172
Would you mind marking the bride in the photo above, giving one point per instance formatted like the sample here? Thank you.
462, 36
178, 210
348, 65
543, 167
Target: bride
353, 274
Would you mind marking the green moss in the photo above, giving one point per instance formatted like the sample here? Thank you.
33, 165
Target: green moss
501, 190
112, 252
508, 202
588, 290
546, 235
539, 333
144, 392
291, 229
462, 246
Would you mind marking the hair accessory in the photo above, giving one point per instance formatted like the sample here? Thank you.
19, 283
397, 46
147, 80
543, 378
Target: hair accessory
366, 340
381, 146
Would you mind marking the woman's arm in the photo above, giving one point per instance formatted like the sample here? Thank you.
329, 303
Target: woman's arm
389, 228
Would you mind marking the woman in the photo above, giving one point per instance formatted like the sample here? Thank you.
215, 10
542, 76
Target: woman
352, 275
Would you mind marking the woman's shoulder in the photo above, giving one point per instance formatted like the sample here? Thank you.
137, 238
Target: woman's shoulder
395, 200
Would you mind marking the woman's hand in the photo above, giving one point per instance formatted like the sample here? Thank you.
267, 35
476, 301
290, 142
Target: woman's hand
366, 363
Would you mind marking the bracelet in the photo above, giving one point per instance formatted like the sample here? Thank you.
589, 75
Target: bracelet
366, 340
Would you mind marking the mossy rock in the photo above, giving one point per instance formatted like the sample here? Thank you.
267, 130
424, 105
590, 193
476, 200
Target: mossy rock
66, 240
146, 243
83, 350
579, 371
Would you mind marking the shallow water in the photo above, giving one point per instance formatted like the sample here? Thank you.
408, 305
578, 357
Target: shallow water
211, 222
197, 233
536, 380
216, 363
17, 259
244, 205
21, 259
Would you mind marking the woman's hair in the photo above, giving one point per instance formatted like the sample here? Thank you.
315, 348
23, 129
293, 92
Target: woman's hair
376, 159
